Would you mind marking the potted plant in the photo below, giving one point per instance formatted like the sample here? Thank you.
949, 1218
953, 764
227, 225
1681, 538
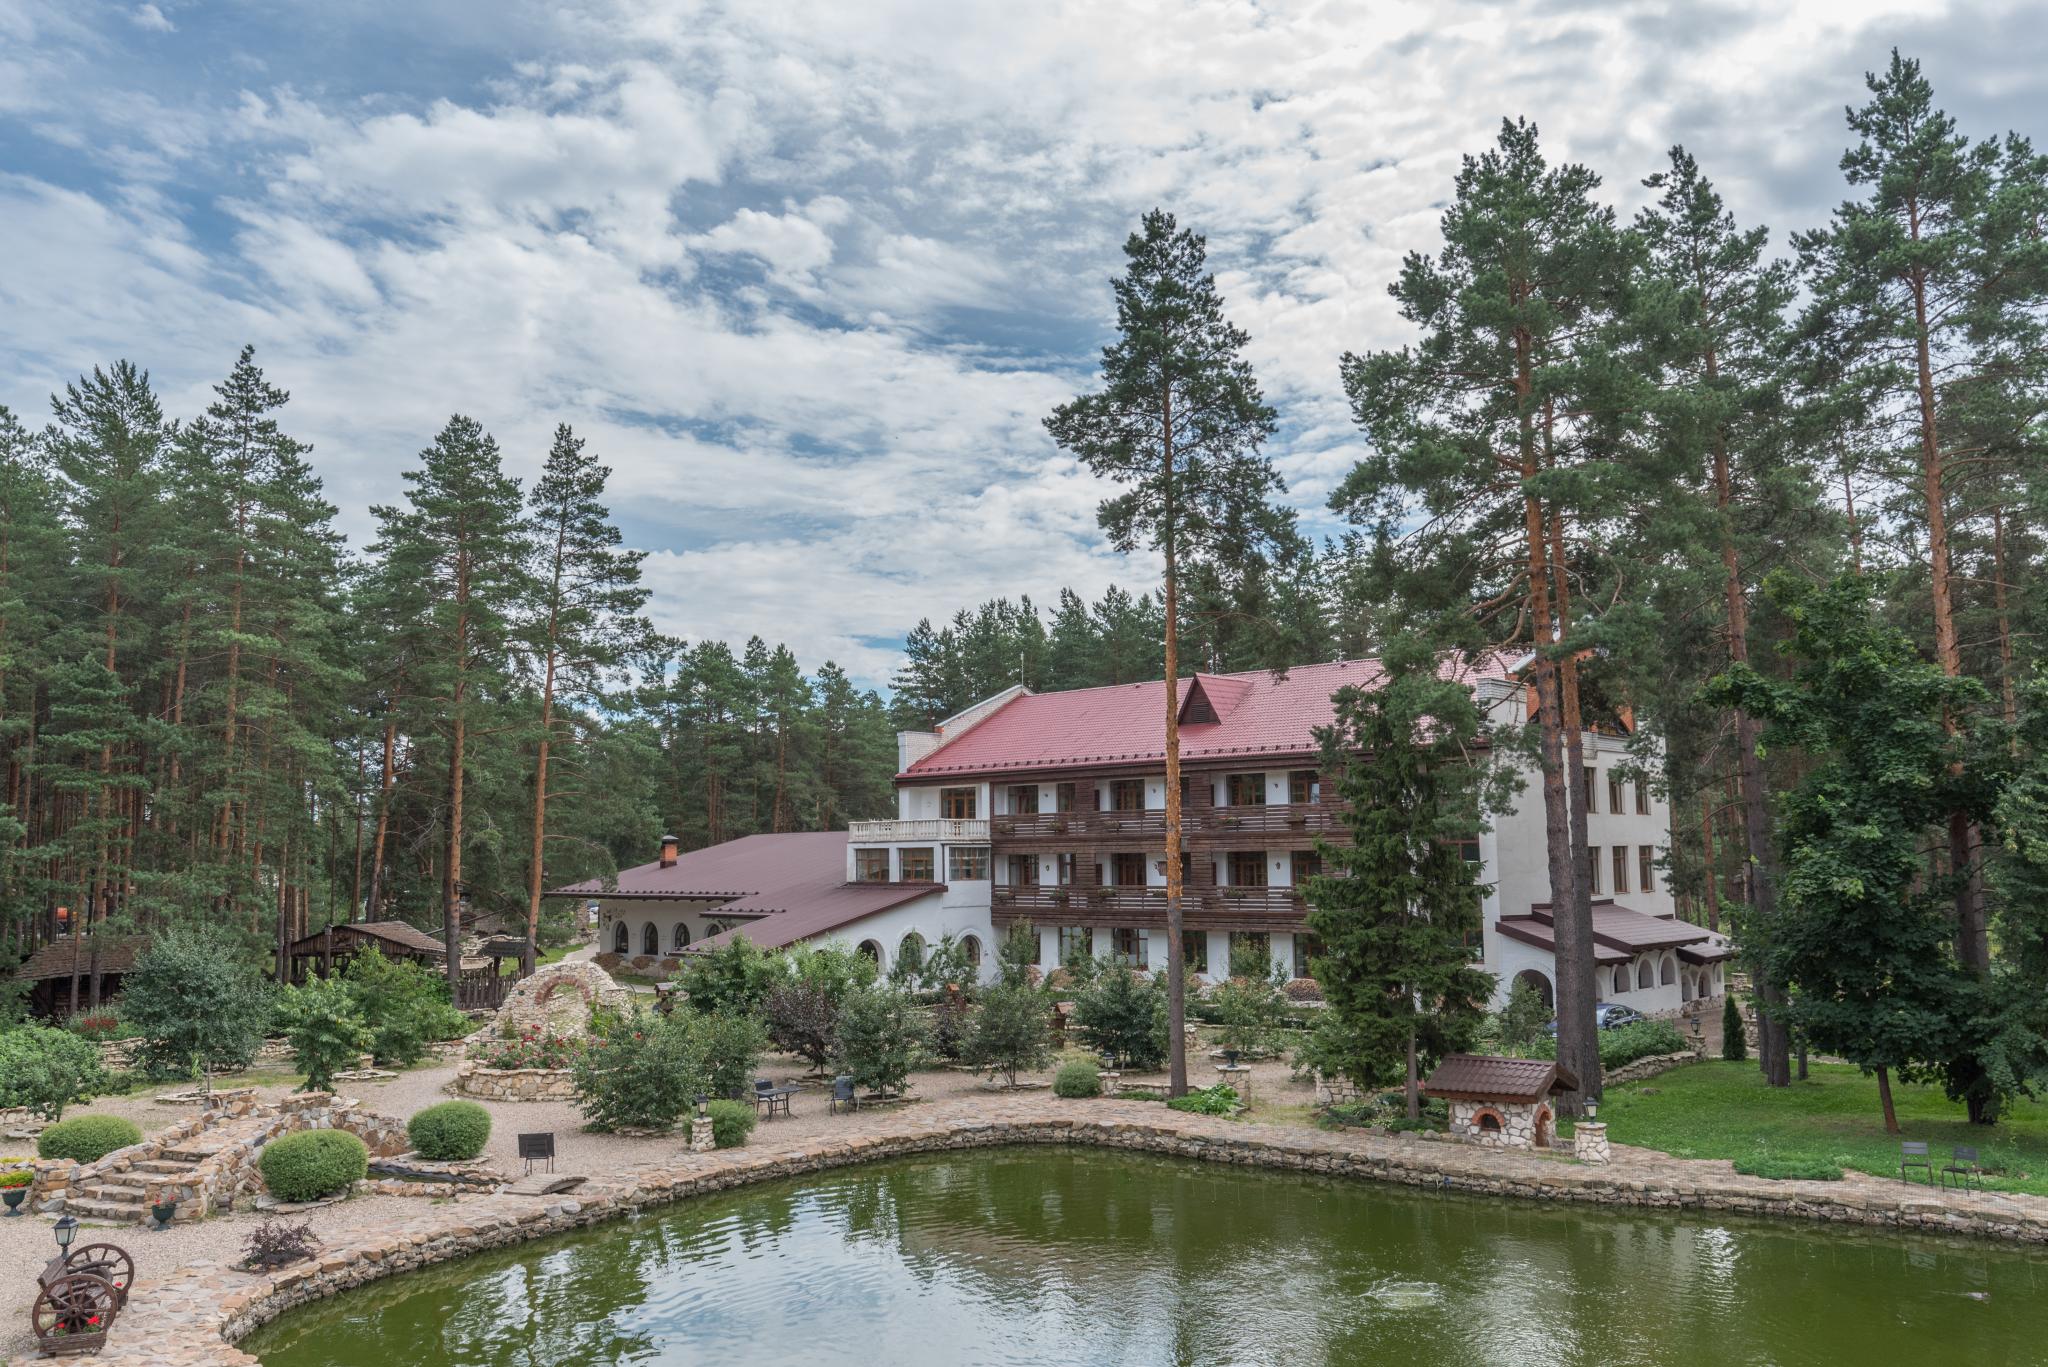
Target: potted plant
14, 1185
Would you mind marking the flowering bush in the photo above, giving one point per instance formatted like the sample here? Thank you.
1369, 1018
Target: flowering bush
16, 1177
643, 1075
533, 1049
102, 1025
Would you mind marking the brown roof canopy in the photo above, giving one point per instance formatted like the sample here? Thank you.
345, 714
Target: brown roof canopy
395, 935
1489, 1077
112, 953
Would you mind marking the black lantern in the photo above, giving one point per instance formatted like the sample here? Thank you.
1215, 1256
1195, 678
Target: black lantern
702, 1112
66, 1231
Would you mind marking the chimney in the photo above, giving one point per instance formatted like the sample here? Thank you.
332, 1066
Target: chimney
669, 846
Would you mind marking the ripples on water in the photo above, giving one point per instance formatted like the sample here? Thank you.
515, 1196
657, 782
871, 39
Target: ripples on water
1057, 1259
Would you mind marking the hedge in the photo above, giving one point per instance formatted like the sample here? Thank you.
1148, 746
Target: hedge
1077, 1080
450, 1132
313, 1163
731, 1122
87, 1138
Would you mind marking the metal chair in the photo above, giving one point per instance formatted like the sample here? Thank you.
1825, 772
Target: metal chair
842, 1094
1913, 1154
1963, 1167
535, 1148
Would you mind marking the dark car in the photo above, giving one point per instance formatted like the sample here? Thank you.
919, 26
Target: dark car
1606, 1016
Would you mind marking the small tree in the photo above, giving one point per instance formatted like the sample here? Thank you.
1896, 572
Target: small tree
1017, 956
1524, 1017
44, 1070
1734, 1047
644, 1074
878, 1032
1122, 1013
404, 1004
730, 1046
1249, 1005
195, 992
326, 1034
734, 977
946, 965
1010, 1032
801, 1020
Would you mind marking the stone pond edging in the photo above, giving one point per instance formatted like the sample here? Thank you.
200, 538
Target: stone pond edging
192, 1316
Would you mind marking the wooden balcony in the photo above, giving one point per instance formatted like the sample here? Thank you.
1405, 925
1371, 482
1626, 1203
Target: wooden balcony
1094, 825
1276, 824
1201, 908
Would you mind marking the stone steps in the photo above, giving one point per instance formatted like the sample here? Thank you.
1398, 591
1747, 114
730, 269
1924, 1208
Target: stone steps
116, 1212
116, 1192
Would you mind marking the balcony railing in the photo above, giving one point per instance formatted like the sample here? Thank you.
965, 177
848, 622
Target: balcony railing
1027, 825
1111, 902
891, 832
1281, 818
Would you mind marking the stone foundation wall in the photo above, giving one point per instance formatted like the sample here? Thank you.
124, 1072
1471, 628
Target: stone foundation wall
515, 1084
1647, 1067
1514, 1128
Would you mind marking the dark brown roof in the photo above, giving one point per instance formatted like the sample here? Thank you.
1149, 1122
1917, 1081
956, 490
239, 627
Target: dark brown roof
116, 954
1705, 954
1619, 927
1488, 1077
1531, 931
396, 934
753, 875
825, 909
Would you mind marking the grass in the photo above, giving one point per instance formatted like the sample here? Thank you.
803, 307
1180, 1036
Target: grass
1723, 1110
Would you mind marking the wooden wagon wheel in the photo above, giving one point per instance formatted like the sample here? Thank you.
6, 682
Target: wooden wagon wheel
72, 1305
110, 1261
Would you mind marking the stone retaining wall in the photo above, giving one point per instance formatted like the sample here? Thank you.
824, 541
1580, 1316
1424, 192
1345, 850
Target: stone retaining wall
514, 1084
1647, 1067
192, 1316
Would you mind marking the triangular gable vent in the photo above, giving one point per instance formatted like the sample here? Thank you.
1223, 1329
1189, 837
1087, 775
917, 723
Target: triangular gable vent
1195, 708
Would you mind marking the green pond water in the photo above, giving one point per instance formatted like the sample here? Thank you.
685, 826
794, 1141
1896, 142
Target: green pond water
1064, 1258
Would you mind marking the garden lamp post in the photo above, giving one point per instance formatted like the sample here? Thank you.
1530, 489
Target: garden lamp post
66, 1230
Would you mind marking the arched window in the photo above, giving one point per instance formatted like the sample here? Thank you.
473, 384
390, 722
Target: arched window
872, 950
970, 945
910, 953
650, 939
1646, 974
682, 936
1621, 981
1489, 1122
1670, 973
622, 939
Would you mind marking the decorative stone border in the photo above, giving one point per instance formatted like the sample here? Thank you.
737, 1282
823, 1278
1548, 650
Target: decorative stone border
1647, 1067
191, 1317
514, 1084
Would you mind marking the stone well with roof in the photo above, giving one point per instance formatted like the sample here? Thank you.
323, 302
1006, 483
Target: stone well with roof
1499, 1102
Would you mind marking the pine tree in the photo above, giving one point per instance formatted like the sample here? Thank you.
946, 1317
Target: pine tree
1178, 423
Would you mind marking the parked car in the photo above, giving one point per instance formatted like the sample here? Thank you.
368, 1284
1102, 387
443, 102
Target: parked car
1606, 1016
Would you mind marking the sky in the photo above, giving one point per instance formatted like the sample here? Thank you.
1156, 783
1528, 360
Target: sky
810, 276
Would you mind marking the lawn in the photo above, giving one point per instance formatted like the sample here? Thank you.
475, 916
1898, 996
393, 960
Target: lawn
1723, 1110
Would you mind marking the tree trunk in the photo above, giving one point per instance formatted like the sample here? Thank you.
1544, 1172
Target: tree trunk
1414, 1086
451, 872
1884, 1095
2008, 694
1176, 968
530, 953
384, 789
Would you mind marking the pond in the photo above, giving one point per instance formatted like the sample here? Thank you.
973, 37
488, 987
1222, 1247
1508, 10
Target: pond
1075, 1257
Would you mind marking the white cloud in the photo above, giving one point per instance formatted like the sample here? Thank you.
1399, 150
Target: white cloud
149, 17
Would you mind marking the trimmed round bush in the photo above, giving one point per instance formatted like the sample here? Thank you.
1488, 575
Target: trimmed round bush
313, 1163
87, 1138
1076, 1080
731, 1122
450, 1132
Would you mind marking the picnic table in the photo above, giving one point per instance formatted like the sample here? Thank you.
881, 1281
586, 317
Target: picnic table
773, 1098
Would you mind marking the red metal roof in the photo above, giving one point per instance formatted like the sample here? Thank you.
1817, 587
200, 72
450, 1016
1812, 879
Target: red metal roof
1259, 716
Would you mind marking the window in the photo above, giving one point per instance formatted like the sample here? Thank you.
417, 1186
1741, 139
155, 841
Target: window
1127, 870
1593, 868
1129, 944
1065, 872
1620, 861
869, 950
917, 864
956, 804
1194, 950
1247, 869
1304, 785
966, 863
1023, 870
1307, 864
1642, 797
1076, 941
1245, 790
1127, 795
1646, 974
622, 939
1621, 981
650, 939
1468, 849
970, 946
870, 866
910, 954
681, 939
1646, 864
1307, 948
1670, 970
1063, 796
1613, 791
1586, 789
1024, 799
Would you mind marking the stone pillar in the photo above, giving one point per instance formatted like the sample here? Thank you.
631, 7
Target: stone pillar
700, 1134
1589, 1142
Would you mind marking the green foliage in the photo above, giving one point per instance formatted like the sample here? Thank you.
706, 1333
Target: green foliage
1790, 1169
728, 1047
196, 992
1010, 1031
327, 1034
449, 1131
735, 978
731, 1122
878, 1035
1522, 1020
1734, 1044
1217, 1100
1075, 1080
87, 1138
43, 1070
643, 1075
1122, 1013
311, 1164
802, 1010
945, 965
1250, 1008
1624, 1043
1017, 956
405, 1005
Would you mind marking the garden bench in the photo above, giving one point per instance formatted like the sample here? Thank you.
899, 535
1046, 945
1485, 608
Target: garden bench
1913, 1154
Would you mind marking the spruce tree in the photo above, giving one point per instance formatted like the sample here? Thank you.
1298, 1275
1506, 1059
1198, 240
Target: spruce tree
1179, 423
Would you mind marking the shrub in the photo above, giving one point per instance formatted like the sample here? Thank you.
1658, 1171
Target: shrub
735, 977
326, 1034
196, 993
405, 1004
44, 1070
1627, 1043
1734, 1046
879, 1031
1077, 1080
278, 1243
1011, 1032
1250, 1009
87, 1138
1122, 1013
1017, 957
17, 1177
800, 1020
1790, 1169
729, 1047
532, 1050
644, 1074
98, 1027
310, 1164
450, 1132
731, 1122
1217, 1100
1523, 1018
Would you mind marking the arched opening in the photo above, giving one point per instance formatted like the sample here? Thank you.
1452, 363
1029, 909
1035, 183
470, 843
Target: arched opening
1488, 1121
1621, 981
910, 953
1670, 970
650, 939
970, 945
622, 939
871, 949
1685, 992
1646, 974
1542, 1127
682, 936
1541, 985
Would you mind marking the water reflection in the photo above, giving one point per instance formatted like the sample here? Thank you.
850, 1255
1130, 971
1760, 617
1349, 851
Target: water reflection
1039, 1257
